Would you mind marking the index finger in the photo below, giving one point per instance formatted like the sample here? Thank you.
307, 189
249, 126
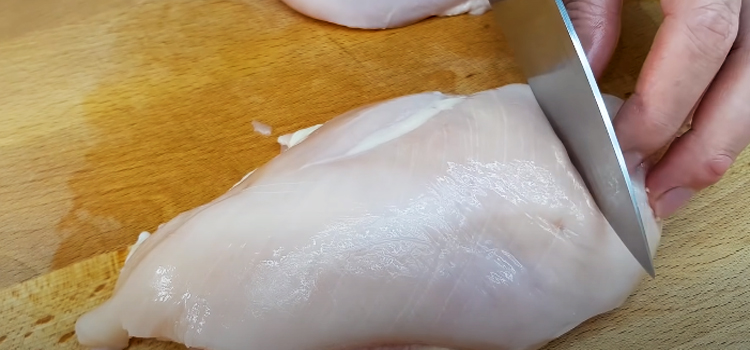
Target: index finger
597, 23
689, 49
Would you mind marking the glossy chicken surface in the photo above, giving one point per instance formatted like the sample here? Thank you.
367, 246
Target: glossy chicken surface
430, 219
384, 14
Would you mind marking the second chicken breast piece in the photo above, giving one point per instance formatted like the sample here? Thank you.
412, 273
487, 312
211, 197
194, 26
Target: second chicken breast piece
453, 221
383, 14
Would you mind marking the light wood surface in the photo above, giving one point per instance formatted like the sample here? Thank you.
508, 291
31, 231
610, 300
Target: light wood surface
115, 116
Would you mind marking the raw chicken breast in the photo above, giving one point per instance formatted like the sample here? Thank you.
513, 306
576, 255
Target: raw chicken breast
383, 14
430, 219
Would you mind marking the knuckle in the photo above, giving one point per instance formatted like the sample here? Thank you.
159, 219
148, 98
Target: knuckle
712, 169
659, 125
713, 28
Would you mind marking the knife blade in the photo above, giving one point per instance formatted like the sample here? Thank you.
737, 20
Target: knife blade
541, 36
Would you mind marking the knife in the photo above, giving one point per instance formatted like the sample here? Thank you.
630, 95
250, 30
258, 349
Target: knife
547, 48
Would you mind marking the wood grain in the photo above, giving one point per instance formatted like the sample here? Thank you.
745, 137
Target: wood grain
117, 116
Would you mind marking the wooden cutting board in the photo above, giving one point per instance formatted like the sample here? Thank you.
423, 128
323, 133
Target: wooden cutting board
116, 116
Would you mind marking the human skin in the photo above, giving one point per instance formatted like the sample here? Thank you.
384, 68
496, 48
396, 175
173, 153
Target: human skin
698, 68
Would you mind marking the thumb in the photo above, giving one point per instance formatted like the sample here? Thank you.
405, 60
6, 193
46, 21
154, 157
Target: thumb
597, 23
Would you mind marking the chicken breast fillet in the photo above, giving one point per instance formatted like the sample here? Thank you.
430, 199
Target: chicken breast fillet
430, 219
383, 14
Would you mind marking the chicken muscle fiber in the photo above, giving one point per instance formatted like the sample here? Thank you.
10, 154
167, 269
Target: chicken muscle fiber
383, 14
451, 221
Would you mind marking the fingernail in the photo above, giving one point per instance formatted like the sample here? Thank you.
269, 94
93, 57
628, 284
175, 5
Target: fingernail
673, 200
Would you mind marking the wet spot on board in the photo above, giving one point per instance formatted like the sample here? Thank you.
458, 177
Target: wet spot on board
13, 271
172, 114
174, 118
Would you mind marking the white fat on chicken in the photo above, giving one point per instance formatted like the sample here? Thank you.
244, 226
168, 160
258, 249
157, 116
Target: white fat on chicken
290, 140
384, 14
450, 221
262, 128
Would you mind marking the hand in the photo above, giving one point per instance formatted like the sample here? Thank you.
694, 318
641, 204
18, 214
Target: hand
699, 68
